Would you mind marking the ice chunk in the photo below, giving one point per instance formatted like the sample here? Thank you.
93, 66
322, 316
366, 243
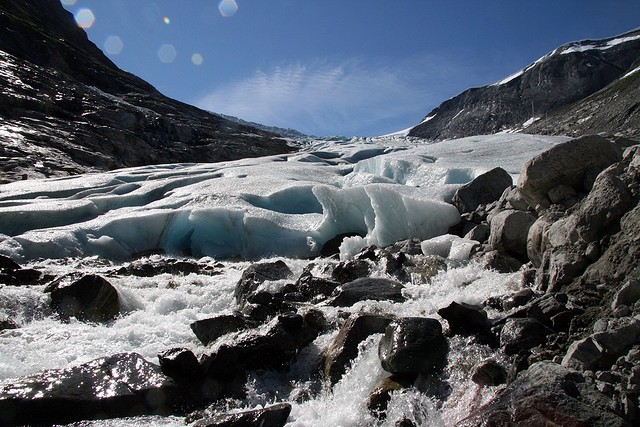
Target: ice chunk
449, 246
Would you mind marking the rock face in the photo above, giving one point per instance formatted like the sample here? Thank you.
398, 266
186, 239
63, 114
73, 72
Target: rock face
74, 111
569, 74
566, 164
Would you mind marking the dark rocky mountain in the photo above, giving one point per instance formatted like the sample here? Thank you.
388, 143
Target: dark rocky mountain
65, 108
567, 88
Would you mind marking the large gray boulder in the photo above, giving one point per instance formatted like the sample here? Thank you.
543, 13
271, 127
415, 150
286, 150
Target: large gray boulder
509, 231
483, 189
566, 164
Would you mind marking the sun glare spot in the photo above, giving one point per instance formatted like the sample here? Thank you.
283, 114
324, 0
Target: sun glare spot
69, 2
197, 59
113, 45
166, 20
85, 18
228, 8
167, 53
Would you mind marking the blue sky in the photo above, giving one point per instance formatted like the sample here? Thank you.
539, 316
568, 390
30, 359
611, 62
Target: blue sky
337, 67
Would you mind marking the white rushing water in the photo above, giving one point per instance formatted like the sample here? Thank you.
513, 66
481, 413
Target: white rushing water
385, 190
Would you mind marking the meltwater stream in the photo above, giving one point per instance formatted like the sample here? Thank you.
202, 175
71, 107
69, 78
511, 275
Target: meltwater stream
158, 311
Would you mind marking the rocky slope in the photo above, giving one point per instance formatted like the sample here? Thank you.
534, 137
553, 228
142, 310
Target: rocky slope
65, 108
550, 87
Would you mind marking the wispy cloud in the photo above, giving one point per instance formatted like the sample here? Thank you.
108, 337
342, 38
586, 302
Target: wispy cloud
354, 97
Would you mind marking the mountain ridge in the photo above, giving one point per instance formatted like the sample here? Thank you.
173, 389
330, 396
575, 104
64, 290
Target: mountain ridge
65, 108
563, 77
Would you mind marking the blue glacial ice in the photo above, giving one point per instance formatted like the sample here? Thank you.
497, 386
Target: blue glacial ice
383, 190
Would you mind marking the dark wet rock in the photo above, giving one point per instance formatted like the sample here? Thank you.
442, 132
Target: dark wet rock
500, 262
427, 266
489, 373
464, 318
180, 364
483, 189
509, 230
344, 347
21, 277
584, 354
117, 386
522, 334
518, 299
381, 394
275, 347
270, 416
332, 246
565, 163
349, 271
547, 306
310, 287
257, 274
413, 345
8, 263
479, 233
409, 247
546, 394
150, 268
368, 288
90, 299
209, 330
6, 323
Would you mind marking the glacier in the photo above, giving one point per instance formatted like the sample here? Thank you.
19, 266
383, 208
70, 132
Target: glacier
381, 189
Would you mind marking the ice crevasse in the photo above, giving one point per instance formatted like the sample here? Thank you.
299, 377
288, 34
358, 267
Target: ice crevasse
382, 191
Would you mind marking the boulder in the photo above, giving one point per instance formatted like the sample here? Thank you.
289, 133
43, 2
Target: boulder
367, 288
8, 263
21, 277
584, 354
509, 230
500, 262
515, 199
483, 189
256, 275
344, 346
479, 233
559, 267
122, 385
464, 318
537, 239
413, 345
6, 323
209, 330
627, 295
489, 373
270, 416
546, 394
381, 394
89, 299
522, 334
348, 271
180, 364
309, 287
276, 346
565, 163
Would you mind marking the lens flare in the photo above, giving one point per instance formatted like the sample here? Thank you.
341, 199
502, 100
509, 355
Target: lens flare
228, 8
197, 59
167, 53
85, 18
166, 20
113, 45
